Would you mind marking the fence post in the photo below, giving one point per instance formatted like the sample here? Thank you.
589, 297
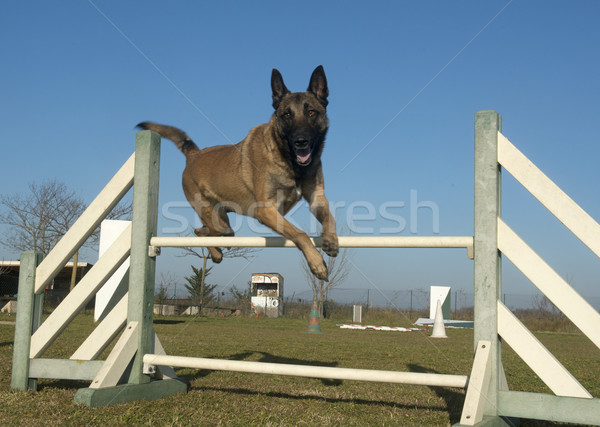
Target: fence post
142, 268
487, 261
29, 316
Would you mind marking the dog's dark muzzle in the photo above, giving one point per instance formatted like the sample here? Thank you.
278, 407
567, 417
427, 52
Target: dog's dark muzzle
303, 151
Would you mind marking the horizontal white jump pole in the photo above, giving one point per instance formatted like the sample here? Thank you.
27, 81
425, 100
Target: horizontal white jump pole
344, 242
434, 380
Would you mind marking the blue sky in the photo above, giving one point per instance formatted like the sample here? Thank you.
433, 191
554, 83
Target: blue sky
405, 81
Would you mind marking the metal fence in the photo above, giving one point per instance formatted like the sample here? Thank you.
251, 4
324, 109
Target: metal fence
418, 299
409, 300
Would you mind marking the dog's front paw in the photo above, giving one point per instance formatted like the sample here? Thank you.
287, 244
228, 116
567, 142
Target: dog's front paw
330, 244
317, 264
320, 271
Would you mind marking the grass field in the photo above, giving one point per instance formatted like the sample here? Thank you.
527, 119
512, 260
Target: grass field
229, 398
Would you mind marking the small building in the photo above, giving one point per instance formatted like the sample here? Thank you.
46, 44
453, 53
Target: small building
55, 292
267, 293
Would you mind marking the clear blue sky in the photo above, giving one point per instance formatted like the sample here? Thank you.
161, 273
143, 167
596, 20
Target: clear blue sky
405, 80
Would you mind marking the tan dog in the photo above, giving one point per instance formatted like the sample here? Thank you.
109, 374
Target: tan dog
264, 175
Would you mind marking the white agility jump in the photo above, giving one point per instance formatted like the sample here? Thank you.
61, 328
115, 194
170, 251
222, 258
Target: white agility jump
138, 351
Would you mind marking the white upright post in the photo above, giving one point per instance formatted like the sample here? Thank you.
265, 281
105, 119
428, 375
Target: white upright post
442, 294
116, 287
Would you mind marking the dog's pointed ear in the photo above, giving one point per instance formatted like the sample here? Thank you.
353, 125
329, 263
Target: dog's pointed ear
318, 85
278, 88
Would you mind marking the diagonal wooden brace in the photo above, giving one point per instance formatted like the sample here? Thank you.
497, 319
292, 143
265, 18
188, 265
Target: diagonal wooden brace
118, 359
479, 381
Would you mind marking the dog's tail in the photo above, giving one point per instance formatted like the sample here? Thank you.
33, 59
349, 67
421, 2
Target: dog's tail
179, 137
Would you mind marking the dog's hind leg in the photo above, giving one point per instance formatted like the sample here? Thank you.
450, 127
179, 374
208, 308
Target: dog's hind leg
210, 215
216, 223
202, 231
205, 231
215, 253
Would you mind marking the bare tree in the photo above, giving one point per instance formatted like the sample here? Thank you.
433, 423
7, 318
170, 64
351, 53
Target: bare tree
36, 220
204, 254
39, 219
167, 280
240, 295
338, 268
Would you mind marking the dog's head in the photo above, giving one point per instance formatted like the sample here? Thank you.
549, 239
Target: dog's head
301, 117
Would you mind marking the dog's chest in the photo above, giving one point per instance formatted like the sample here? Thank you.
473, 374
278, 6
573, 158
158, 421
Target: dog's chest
287, 192
291, 194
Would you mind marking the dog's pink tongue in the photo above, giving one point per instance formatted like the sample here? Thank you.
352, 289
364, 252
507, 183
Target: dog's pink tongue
303, 156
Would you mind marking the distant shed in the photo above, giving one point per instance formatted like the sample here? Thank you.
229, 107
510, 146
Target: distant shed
57, 290
267, 293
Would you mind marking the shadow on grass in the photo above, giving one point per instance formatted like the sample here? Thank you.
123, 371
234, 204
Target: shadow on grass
356, 401
6, 343
61, 384
168, 322
268, 358
454, 399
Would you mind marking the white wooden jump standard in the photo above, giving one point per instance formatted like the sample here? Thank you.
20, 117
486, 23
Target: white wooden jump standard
139, 360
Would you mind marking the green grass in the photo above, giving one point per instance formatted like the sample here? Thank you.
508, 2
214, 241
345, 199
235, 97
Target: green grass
229, 398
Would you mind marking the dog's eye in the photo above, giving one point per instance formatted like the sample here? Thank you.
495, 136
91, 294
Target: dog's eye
311, 113
286, 116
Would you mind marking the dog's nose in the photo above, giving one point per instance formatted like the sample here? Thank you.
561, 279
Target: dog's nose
301, 142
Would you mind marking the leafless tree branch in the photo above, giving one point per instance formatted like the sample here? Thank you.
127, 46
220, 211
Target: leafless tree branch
39, 219
202, 253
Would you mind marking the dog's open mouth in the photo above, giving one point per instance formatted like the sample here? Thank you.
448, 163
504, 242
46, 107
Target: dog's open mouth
303, 156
